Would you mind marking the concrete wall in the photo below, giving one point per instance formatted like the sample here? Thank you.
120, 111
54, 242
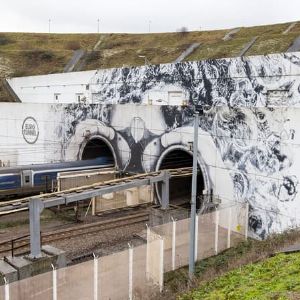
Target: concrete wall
52, 88
248, 133
245, 154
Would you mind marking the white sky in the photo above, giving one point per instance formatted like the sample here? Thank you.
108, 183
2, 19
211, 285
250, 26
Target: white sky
134, 15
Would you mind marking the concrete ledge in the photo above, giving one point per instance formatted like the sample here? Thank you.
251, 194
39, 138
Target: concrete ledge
59, 254
21, 267
7, 271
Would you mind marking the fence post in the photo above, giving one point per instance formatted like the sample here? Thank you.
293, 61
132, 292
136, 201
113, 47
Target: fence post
6, 289
196, 237
148, 252
130, 269
161, 264
173, 244
54, 283
247, 221
229, 228
95, 277
93, 206
217, 232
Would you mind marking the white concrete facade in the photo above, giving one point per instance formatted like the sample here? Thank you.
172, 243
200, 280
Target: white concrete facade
82, 87
53, 88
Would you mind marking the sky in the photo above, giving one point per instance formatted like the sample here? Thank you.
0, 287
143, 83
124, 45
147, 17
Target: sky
137, 16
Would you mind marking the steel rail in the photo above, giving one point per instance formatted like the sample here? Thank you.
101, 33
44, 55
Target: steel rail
75, 231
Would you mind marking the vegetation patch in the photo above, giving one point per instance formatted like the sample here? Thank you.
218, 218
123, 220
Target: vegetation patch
249, 252
274, 278
4, 40
42, 55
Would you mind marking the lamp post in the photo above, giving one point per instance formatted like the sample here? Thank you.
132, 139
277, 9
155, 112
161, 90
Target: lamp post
193, 199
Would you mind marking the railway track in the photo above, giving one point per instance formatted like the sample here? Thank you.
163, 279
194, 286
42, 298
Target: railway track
23, 243
13, 206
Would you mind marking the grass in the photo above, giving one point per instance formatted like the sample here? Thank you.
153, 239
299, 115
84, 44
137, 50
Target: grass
275, 278
123, 49
47, 216
178, 285
24, 54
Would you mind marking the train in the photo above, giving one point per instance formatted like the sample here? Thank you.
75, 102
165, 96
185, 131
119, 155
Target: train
28, 180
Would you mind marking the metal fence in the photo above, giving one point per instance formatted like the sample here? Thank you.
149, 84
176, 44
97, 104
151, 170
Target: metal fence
137, 271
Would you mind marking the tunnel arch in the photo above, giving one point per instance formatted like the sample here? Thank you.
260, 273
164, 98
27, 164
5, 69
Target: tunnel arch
97, 146
179, 156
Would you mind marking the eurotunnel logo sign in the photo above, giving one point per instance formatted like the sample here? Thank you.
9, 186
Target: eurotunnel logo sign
30, 130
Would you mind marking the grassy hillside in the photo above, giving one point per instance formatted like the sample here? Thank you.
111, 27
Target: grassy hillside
241, 273
275, 278
23, 54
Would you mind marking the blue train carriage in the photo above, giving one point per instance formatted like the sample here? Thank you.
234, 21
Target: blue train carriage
33, 179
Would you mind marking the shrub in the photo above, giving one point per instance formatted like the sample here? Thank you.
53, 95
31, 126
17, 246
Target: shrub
46, 55
4, 40
93, 56
73, 45
43, 55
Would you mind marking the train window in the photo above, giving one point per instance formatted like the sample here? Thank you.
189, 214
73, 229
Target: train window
27, 178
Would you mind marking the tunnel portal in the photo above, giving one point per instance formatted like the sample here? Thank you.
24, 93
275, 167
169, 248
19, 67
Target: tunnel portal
95, 148
181, 187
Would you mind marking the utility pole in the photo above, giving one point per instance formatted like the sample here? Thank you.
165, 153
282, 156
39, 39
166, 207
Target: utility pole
193, 198
49, 26
149, 26
98, 25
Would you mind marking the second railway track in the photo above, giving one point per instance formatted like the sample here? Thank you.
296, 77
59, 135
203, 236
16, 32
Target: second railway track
18, 205
75, 231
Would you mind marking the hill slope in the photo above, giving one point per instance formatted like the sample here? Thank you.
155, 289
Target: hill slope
23, 54
275, 278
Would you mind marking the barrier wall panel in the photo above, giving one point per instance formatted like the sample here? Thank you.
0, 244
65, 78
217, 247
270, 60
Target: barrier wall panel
141, 284
76, 282
35, 288
113, 279
165, 231
182, 243
206, 235
224, 229
2, 291
154, 258
240, 222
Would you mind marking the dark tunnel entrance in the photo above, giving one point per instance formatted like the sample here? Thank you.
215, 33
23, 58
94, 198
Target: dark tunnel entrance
181, 187
97, 148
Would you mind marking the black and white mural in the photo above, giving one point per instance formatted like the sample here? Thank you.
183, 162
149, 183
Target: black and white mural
246, 125
248, 131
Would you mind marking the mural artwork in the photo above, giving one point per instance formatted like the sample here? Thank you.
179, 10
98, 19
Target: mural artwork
248, 131
244, 106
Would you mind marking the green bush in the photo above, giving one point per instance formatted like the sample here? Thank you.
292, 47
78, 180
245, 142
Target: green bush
4, 40
93, 56
42, 55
